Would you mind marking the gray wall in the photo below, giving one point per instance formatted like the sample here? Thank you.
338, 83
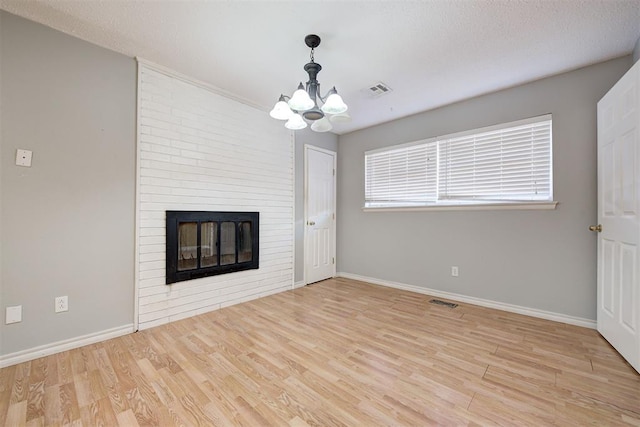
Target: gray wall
536, 259
636, 51
328, 141
68, 221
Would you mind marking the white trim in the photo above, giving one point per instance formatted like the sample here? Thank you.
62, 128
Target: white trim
469, 207
527, 311
64, 345
218, 91
293, 211
136, 238
305, 181
299, 284
306, 202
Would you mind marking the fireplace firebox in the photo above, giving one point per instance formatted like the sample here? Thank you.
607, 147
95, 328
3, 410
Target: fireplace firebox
201, 244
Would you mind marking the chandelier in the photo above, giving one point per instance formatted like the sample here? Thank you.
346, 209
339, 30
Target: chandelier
303, 104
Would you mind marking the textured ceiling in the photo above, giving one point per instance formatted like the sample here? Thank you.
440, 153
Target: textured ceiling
431, 53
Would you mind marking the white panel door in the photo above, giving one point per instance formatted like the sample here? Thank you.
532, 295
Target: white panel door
618, 205
320, 201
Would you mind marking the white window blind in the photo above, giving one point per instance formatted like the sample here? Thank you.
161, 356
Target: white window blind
402, 176
507, 163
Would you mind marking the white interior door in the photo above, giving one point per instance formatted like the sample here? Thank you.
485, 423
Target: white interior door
618, 216
320, 202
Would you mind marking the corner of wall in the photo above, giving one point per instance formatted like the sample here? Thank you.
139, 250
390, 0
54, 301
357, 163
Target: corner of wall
1, 141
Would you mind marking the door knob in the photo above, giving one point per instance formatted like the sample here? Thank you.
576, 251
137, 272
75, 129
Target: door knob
311, 223
597, 228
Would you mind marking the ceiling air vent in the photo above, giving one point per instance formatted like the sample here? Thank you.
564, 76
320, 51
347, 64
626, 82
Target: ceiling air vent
378, 89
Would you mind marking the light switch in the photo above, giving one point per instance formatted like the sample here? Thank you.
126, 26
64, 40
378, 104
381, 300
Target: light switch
14, 314
23, 157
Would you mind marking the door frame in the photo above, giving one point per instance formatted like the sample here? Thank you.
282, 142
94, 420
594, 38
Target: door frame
305, 241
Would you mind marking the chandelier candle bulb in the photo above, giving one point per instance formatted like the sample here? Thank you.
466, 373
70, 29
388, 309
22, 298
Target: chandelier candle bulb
281, 111
300, 101
342, 117
295, 122
334, 104
303, 105
322, 125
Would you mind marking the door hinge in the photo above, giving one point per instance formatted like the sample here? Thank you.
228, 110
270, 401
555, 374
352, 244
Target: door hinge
334, 172
333, 260
334, 216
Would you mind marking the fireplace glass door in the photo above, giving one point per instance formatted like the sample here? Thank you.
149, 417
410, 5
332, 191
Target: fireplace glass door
244, 241
228, 243
203, 244
209, 246
188, 246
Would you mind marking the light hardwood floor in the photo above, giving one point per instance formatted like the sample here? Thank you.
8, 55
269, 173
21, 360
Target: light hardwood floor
339, 352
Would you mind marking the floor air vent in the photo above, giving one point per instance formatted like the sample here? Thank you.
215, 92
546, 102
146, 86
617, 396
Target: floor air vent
446, 304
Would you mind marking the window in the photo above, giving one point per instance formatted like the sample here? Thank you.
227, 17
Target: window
505, 164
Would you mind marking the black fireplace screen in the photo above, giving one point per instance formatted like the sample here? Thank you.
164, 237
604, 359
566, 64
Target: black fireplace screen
201, 244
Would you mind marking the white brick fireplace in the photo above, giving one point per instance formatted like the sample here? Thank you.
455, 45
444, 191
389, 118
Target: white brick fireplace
201, 151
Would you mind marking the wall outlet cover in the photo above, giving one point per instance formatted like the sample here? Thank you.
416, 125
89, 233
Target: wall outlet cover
62, 304
13, 314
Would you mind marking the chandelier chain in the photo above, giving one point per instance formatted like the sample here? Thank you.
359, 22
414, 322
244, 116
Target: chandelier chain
311, 55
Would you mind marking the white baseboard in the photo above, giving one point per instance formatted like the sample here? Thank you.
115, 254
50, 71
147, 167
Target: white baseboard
45, 350
527, 311
69, 344
299, 284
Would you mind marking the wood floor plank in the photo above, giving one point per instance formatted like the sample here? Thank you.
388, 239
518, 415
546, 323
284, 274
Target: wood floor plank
142, 409
65, 373
16, 414
336, 353
35, 400
98, 413
127, 418
118, 399
7, 378
52, 406
69, 409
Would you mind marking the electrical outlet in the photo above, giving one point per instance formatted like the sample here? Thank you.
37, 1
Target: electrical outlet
62, 304
13, 314
454, 271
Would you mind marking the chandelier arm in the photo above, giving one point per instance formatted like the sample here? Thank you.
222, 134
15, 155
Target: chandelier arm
323, 98
287, 97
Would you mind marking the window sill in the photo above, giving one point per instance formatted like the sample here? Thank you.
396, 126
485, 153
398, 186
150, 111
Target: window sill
468, 207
